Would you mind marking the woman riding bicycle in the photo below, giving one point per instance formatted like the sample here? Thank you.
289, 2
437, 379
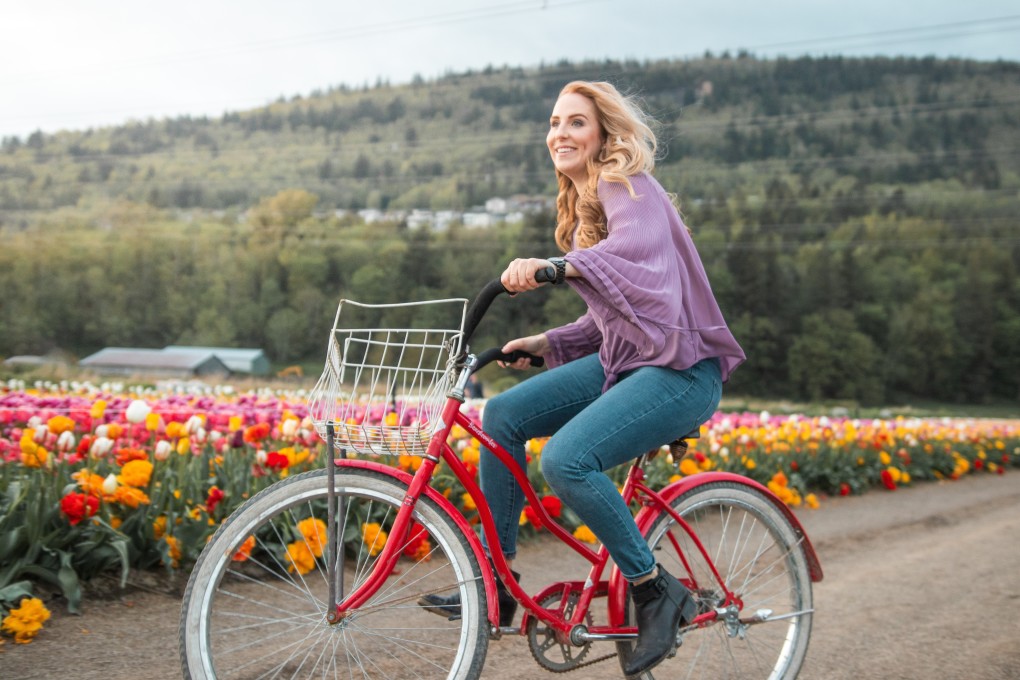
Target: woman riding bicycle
643, 366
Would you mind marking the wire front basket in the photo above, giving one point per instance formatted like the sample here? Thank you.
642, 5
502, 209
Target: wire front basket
383, 388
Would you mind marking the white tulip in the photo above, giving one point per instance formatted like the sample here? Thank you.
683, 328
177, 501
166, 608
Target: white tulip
102, 430
137, 410
66, 441
110, 484
100, 447
163, 450
193, 424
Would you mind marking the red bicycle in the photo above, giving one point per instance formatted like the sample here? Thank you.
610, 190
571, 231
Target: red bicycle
320, 574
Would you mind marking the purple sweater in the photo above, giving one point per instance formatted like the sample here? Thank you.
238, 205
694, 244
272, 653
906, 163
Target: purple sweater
649, 300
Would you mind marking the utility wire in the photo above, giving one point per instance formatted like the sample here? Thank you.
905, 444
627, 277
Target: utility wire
332, 35
994, 24
950, 30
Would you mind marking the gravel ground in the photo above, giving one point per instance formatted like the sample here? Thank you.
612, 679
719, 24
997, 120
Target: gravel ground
919, 583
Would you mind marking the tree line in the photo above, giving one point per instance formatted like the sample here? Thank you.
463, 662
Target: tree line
879, 307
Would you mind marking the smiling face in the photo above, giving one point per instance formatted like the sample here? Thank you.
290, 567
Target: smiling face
575, 136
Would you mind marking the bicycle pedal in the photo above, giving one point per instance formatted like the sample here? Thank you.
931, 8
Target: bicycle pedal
455, 617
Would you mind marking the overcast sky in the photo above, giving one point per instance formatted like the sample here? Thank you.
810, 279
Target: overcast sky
73, 64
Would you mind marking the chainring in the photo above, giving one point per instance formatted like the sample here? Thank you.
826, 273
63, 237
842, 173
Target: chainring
547, 650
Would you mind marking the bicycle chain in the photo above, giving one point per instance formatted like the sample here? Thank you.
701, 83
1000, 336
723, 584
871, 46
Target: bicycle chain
580, 665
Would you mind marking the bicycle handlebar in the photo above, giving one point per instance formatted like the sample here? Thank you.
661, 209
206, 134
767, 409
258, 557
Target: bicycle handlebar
493, 289
497, 354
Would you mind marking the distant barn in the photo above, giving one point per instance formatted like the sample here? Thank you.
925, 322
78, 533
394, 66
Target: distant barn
247, 361
177, 361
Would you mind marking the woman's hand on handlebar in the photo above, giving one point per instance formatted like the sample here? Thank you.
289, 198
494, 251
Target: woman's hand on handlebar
533, 344
519, 275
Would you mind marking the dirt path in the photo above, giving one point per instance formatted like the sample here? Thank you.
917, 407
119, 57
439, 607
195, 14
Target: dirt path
919, 583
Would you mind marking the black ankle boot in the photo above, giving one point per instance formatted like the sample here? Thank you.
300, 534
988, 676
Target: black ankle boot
449, 605
662, 605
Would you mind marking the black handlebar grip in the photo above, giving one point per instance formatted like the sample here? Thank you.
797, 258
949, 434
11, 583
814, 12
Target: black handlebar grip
496, 354
547, 275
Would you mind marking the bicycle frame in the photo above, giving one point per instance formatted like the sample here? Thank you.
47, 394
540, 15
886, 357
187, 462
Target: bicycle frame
418, 484
614, 587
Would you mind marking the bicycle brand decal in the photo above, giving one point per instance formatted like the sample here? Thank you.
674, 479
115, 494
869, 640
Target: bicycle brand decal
481, 436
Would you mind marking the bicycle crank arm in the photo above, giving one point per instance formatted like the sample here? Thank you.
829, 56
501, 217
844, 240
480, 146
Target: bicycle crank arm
765, 616
584, 637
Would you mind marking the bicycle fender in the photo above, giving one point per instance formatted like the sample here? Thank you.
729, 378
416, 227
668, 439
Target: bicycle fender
469, 533
671, 492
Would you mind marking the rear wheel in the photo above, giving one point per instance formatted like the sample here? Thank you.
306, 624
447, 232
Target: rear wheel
759, 556
257, 600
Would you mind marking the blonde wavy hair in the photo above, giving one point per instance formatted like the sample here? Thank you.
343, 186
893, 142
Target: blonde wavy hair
628, 148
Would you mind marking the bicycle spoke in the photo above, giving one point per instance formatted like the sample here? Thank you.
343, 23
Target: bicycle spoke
266, 616
759, 559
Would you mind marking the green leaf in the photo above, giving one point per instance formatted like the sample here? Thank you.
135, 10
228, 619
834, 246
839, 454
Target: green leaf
11, 571
9, 541
15, 592
121, 546
68, 581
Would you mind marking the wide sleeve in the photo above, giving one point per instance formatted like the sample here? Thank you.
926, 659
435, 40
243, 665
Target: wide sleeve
573, 341
630, 278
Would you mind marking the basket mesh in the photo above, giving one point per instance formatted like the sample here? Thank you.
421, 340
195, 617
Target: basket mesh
383, 389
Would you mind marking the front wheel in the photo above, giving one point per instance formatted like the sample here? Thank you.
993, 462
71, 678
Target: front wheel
760, 558
257, 600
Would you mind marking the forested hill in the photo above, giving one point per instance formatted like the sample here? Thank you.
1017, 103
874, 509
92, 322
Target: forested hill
858, 217
459, 140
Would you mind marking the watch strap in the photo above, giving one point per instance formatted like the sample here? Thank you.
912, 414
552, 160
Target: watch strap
561, 269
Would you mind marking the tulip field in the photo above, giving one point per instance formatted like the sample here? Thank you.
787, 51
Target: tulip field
112, 478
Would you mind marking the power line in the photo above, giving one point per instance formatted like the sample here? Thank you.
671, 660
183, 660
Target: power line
993, 24
990, 25
332, 35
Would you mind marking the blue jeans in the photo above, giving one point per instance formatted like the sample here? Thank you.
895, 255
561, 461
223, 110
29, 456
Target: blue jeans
592, 432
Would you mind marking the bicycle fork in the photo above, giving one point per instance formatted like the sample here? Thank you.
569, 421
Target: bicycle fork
341, 608
335, 566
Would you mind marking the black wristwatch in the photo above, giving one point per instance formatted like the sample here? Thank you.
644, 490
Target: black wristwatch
561, 269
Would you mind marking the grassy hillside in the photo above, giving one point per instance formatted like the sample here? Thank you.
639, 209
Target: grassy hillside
840, 126
857, 217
